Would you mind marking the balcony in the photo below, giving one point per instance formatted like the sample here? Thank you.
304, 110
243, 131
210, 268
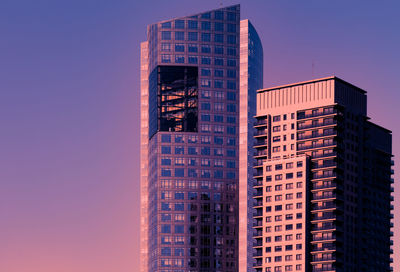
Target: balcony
326, 226
258, 193
322, 176
324, 238
261, 153
258, 182
261, 122
326, 195
316, 135
261, 133
323, 248
302, 115
324, 206
318, 125
324, 165
325, 185
318, 145
331, 154
329, 216
260, 143
324, 259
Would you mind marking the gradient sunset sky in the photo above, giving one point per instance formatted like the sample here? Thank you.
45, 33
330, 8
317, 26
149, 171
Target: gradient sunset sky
69, 111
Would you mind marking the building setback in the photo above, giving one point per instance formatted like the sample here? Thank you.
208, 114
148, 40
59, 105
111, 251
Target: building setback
322, 190
199, 76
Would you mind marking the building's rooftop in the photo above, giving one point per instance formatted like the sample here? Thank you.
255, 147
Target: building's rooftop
309, 82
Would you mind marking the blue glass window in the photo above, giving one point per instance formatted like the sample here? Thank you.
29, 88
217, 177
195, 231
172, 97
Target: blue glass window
218, 118
179, 59
165, 172
218, 15
179, 47
165, 251
165, 206
232, 39
166, 35
231, 129
205, 117
219, 50
179, 252
218, 174
192, 195
231, 85
231, 16
205, 106
217, 196
192, 24
232, 62
165, 228
218, 73
192, 48
205, 174
205, 151
205, 25
218, 26
219, 61
218, 84
165, 58
179, 35
165, 161
231, 73
179, 206
192, 150
205, 49
179, 228
205, 60
205, 83
179, 195
218, 140
165, 149
166, 240
205, 37
165, 217
231, 51
230, 164
231, 152
166, 25
231, 119
192, 173
231, 142
192, 36
165, 138
231, 107
179, 172
179, 150
206, 15
231, 28
179, 139
219, 38
230, 175
192, 59
205, 72
179, 24
231, 96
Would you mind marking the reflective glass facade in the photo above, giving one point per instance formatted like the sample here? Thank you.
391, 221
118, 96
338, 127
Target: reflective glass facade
191, 98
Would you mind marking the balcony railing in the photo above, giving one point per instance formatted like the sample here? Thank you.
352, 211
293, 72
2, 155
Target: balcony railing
261, 122
326, 205
316, 135
261, 132
318, 145
324, 185
326, 226
323, 217
301, 116
323, 124
324, 238
325, 165
324, 196
323, 248
260, 142
262, 153
331, 154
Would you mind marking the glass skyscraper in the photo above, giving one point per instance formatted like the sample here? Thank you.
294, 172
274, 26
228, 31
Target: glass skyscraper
199, 76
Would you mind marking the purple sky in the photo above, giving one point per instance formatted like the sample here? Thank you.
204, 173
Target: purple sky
69, 110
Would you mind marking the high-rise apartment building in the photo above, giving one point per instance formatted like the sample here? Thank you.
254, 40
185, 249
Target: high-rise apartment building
322, 180
199, 76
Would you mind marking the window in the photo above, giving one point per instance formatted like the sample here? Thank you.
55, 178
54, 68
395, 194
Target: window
219, 50
278, 207
165, 149
219, 61
278, 197
276, 139
218, 15
206, 25
278, 177
179, 35
219, 38
192, 59
231, 51
289, 237
231, 39
299, 195
166, 47
231, 85
231, 62
289, 196
289, 186
165, 58
192, 24
192, 36
192, 48
289, 165
218, 26
206, 37
205, 60
278, 187
179, 59
276, 128
299, 205
276, 118
218, 118
299, 174
166, 35
219, 84
299, 185
289, 217
180, 24
288, 247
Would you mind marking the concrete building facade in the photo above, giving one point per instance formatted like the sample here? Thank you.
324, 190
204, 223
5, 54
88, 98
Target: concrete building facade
322, 180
